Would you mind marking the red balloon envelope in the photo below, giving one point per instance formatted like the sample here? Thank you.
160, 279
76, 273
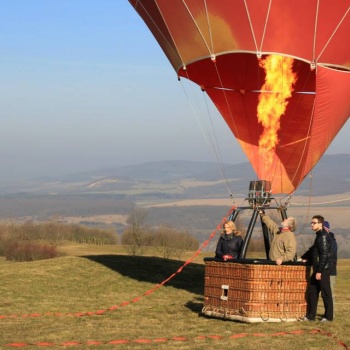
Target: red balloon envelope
224, 46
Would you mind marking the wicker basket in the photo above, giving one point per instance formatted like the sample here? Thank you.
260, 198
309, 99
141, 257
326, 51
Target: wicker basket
255, 291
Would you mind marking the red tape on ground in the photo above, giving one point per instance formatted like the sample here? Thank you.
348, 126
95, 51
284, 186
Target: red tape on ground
180, 339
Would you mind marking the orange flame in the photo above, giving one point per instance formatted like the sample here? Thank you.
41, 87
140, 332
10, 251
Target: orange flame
278, 87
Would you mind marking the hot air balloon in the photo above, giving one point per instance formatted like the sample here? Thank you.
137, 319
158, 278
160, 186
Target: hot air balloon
277, 71
279, 74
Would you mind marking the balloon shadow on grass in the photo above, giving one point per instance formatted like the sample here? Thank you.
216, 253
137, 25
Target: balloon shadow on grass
155, 270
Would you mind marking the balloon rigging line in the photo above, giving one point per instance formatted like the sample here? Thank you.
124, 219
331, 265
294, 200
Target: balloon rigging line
264, 32
278, 166
294, 142
224, 89
307, 139
213, 144
287, 202
201, 125
251, 25
216, 148
263, 91
258, 50
206, 135
305, 143
209, 27
169, 32
217, 151
308, 205
160, 32
332, 35
208, 138
236, 133
265, 26
313, 65
198, 29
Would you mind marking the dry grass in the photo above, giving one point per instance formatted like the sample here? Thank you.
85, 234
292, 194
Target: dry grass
101, 280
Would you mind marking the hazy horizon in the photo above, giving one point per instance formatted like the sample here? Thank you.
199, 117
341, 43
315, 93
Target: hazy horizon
85, 86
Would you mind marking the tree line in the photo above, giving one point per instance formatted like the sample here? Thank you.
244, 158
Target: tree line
34, 241
139, 236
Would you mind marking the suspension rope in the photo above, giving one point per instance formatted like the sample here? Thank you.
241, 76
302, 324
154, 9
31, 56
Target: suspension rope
265, 25
308, 205
210, 138
217, 151
160, 32
315, 31
199, 31
209, 27
210, 141
213, 140
251, 25
305, 143
332, 35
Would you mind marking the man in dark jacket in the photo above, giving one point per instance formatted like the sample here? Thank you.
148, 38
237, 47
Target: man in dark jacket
334, 254
320, 255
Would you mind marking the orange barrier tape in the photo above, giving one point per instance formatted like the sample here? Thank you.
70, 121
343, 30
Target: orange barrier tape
180, 339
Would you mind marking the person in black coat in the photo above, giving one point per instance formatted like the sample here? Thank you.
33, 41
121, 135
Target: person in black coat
334, 254
320, 256
230, 242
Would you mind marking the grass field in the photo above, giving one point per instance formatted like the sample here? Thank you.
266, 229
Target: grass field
100, 298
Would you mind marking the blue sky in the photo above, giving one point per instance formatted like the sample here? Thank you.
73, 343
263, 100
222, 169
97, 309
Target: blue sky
84, 85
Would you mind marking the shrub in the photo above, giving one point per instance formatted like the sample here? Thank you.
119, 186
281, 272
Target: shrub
53, 233
136, 242
169, 241
29, 252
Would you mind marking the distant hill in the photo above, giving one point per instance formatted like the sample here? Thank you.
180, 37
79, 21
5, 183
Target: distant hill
180, 180
330, 176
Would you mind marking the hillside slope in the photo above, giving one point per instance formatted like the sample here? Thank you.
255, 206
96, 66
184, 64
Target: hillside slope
181, 180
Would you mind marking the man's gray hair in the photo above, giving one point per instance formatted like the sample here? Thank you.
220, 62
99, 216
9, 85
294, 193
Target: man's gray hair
292, 223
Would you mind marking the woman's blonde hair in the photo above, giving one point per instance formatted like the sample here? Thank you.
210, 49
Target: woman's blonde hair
232, 226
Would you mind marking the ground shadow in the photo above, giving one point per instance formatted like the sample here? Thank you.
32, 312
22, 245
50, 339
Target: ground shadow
155, 270
196, 306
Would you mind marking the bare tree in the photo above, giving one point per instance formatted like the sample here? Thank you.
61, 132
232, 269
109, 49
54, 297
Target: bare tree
164, 240
168, 241
55, 231
137, 234
184, 243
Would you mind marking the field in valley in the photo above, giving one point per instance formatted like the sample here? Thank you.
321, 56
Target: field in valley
335, 208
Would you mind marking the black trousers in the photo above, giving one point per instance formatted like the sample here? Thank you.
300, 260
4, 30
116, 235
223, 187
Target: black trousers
315, 287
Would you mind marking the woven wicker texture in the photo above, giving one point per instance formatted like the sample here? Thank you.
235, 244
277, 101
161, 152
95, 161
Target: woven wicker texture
257, 291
